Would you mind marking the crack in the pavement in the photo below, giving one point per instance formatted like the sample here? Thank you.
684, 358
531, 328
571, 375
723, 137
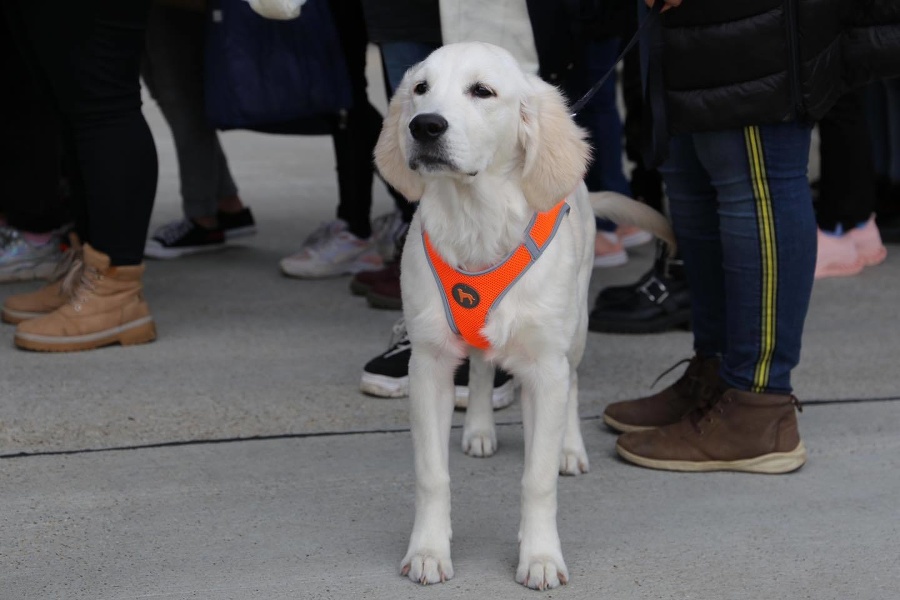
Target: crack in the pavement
291, 436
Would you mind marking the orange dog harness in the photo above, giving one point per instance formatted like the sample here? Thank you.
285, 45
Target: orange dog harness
469, 297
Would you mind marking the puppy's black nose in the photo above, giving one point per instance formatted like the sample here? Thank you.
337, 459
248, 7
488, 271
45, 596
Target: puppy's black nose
428, 127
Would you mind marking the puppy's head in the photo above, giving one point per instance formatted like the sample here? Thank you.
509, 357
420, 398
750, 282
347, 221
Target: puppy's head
469, 109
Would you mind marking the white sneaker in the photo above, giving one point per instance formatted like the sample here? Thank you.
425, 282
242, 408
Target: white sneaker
386, 231
331, 250
608, 250
631, 236
20, 260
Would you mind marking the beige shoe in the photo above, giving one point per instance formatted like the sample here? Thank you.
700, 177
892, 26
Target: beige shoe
104, 306
22, 307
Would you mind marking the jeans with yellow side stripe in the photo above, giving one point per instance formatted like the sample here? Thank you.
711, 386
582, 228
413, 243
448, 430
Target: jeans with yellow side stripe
743, 217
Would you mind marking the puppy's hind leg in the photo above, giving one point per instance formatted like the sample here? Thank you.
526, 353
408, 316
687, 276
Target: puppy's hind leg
479, 436
431, 395
573, 460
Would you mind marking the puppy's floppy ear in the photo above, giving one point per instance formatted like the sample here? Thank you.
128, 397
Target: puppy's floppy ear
390, 151
556, 154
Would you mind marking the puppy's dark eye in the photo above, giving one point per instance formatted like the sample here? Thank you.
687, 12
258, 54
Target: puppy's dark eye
479, 90
420, 88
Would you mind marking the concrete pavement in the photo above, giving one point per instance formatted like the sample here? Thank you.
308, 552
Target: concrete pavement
234, 458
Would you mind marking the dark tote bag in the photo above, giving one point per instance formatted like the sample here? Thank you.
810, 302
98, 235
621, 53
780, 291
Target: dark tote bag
276, 76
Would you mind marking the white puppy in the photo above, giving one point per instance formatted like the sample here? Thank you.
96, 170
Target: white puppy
483, 147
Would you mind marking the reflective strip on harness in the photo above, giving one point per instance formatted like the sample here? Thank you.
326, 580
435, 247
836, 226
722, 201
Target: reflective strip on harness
469, 297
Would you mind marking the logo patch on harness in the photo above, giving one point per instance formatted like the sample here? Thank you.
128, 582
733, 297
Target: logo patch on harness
465, 295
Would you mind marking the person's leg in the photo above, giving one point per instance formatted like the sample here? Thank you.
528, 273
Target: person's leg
848, 238
601, 118
883, 113
768, 240
398, 57
355, 138
892, 92
173, 72
875, 96
847, 183
30, 198
695, 220
90, 54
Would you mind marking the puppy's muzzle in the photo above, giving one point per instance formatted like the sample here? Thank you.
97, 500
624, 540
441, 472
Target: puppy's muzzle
427, 128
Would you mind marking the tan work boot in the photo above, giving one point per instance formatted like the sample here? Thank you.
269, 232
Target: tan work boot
104, 306
739, 431
698, 385
22, 307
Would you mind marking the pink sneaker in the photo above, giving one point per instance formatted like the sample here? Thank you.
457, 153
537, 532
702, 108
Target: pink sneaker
868, 243
608, 250
631, 236
837, 256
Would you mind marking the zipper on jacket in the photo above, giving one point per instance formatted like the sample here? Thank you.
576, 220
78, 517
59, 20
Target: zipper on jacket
790, 18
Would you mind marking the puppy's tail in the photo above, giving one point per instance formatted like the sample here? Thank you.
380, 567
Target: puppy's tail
622, 210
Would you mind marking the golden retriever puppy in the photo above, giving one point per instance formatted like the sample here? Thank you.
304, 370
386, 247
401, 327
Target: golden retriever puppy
496, 266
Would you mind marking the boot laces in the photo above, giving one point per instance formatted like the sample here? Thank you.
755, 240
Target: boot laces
65, 264
696, 386
172, 232
79, 282
399, 339
706, 412
718, 404
669, 370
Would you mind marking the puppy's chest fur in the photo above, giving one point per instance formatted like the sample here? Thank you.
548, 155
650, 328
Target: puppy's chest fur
535, 310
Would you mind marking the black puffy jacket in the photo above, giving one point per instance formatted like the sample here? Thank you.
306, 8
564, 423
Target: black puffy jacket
731, 63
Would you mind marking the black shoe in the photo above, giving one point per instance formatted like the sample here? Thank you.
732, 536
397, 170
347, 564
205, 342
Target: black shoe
387, 375
504, 387
181, 238
671, 269
237, 225
658, 301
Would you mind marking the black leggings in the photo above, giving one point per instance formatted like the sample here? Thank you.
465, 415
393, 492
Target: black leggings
357, 134
30, 197
847, 183
88, 54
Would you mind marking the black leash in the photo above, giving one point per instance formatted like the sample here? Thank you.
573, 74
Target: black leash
651, 16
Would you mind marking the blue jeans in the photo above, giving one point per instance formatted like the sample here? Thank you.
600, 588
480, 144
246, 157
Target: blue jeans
397, 57
601, 118
743, 217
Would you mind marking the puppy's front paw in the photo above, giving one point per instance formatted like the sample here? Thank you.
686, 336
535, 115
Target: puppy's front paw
426, 567
573, 461
542, 572
479, 443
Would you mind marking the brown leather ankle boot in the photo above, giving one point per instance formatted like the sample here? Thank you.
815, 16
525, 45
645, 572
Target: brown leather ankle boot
104, 305
739, 431
697, 386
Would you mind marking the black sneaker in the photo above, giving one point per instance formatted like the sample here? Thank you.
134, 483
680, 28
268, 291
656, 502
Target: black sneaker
237, 225
180, 238
504, 387
387, 375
